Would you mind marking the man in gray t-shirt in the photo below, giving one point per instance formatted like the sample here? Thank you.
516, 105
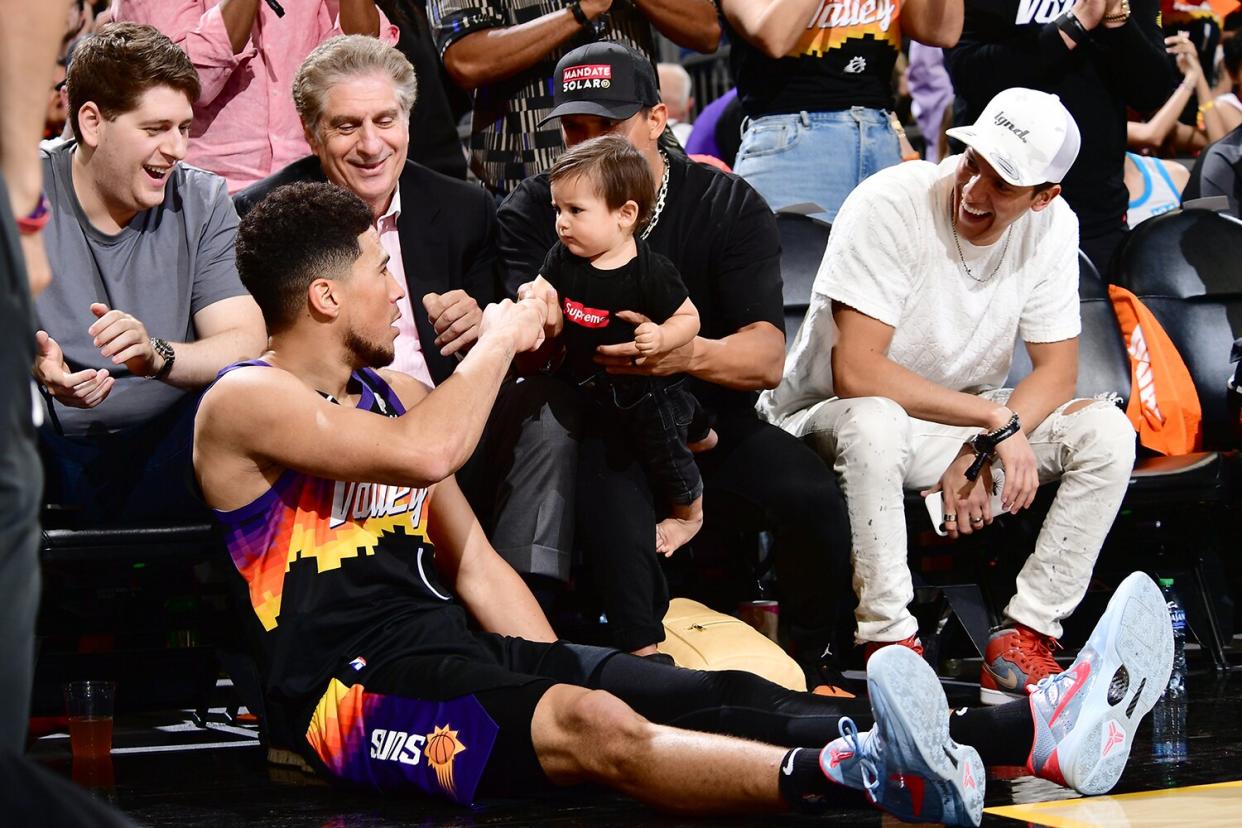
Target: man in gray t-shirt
146, 305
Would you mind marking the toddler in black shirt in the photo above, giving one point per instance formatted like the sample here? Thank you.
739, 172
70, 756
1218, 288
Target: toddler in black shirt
611, 288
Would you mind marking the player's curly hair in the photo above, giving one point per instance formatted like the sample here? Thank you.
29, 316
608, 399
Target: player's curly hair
298, 233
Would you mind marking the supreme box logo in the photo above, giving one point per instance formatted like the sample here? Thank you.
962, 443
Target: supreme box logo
580, 314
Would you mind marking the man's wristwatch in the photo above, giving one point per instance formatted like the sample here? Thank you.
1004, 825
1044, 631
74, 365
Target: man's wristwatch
1069, 23
594, 28
165, 350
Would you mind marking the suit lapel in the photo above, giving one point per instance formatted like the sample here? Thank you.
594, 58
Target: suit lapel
423, 254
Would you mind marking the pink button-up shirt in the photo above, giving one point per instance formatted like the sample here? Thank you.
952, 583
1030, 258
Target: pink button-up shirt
245, 126
409, 358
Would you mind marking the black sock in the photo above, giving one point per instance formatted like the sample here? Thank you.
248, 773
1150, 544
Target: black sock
1003, 734
807, 789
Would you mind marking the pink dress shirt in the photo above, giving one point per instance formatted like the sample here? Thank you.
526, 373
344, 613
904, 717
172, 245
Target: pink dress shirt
409, 358
245, 126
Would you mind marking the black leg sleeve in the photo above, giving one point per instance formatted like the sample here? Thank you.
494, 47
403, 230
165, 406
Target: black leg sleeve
1002, 734
729, 702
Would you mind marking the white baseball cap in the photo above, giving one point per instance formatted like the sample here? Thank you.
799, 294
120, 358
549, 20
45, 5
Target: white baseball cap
1028, 137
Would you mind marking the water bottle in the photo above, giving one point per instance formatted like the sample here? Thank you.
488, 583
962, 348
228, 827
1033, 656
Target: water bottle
1168, 734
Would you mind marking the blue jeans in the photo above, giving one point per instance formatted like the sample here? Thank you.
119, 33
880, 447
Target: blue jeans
817, 157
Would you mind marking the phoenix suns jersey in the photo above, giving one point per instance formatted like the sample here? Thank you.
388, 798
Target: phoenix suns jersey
843, 58
333, 568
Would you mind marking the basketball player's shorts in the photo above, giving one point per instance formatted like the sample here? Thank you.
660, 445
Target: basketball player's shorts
451, 726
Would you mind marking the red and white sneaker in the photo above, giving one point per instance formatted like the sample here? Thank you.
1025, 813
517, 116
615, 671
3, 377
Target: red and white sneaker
907, 763
911, 643
1085, 717
1016, 657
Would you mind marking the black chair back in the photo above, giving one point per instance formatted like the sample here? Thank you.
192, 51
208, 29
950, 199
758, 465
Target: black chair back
803, 241
1186, 266
1103, 365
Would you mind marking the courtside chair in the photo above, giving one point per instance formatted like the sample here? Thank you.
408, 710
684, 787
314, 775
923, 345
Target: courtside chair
803, 241
1173, 503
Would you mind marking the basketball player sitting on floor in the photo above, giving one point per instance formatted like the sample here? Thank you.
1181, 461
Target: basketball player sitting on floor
609, 287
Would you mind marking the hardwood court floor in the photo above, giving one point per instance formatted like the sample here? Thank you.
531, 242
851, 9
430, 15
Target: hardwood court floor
167, 772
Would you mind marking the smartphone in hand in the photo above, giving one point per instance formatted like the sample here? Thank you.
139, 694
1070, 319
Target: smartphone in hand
935, 510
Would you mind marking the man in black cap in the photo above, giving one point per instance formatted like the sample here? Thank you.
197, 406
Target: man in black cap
505, 51
724, 242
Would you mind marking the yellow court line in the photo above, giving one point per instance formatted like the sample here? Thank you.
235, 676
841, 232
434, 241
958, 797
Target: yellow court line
1073, 810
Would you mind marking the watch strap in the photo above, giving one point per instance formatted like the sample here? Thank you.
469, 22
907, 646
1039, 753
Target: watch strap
580, 15
1073, 28
165, 350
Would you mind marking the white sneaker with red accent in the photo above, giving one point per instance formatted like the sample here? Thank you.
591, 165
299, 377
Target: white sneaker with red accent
907, 764
1085, 717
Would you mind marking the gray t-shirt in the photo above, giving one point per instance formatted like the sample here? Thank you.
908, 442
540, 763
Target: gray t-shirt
166, 265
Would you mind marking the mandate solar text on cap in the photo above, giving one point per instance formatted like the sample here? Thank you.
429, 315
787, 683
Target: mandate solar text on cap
1028, 137
606, 79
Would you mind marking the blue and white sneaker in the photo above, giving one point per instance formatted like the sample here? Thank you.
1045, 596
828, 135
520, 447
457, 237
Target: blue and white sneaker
907, 764
1085, 717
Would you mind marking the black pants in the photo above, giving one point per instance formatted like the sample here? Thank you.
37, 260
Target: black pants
661, 419
20, 486
758, 477
1102, 249
141, 475
520, 480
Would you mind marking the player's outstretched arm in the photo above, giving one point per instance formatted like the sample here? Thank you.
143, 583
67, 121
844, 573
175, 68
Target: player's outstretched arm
269, 418
484, 582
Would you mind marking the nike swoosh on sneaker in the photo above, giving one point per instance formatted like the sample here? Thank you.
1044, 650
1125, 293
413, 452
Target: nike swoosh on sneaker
1009, 681
1081, 673
789, 763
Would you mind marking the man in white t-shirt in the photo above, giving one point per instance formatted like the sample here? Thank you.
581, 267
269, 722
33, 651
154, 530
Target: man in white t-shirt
931, 273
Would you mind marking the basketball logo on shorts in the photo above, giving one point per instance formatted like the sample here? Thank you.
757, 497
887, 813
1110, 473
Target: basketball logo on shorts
441, 751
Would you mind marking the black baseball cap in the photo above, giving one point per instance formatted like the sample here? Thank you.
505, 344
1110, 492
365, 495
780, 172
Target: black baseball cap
606, 79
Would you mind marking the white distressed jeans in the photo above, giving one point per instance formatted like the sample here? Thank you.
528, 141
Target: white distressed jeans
878, 451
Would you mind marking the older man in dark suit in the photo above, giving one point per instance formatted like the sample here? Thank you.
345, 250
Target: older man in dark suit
354, 95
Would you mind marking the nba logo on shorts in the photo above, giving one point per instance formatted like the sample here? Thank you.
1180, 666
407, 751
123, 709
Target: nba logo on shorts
358, 663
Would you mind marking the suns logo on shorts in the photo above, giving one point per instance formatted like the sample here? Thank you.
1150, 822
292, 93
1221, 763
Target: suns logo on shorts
441, 751
439, 748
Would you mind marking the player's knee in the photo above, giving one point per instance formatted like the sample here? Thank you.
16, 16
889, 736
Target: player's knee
611, 737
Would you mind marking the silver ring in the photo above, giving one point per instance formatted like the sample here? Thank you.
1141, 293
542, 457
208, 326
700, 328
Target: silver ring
950, 518
976, 521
